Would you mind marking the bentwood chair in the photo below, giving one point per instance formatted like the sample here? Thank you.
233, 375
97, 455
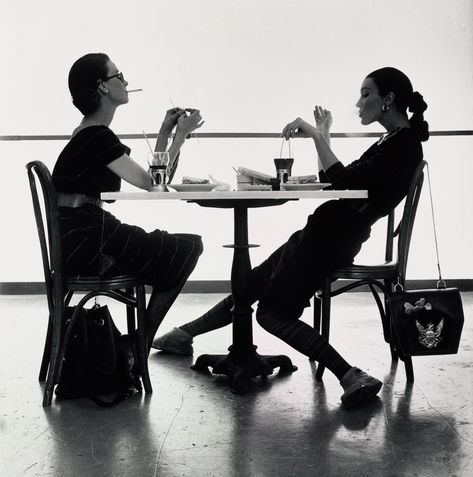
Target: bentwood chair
60, 287
383, 277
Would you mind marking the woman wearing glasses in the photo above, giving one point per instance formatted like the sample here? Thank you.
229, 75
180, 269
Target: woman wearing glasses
284, 283
95, 161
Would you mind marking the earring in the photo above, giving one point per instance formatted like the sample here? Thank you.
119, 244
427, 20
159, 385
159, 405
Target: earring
385, 108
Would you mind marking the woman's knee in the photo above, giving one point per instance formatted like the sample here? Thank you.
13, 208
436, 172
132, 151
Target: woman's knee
266, 319
198, 245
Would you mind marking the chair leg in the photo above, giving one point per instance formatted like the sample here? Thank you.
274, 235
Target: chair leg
142, 341
54, 357
43, 370
409, 369
325, 329
317, 312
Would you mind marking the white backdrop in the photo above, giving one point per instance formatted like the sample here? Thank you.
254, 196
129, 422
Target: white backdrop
250, 66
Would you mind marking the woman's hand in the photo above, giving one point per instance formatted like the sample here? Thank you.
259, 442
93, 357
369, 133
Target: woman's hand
189, 123
171, 119
323, 119
298, 128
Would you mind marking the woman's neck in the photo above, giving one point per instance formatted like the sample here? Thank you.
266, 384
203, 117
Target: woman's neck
100, 117
394, 120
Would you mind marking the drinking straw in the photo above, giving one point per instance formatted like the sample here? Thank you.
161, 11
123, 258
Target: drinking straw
282, 145
149, 145
235, 169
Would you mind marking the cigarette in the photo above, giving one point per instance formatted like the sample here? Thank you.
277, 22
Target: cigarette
133, 90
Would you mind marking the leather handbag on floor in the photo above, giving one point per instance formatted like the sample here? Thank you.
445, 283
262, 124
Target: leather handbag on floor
430, 321
99, 363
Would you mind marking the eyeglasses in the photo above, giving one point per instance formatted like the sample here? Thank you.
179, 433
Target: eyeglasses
119, 75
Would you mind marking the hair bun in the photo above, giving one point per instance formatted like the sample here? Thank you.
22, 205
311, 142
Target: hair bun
417, 105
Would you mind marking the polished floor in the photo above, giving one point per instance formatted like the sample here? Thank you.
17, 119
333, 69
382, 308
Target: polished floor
192, 425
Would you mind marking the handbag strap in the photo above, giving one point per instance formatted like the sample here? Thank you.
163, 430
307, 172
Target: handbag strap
440, 283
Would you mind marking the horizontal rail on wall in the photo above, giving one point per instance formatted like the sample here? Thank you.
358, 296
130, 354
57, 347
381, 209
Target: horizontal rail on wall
222, 135
223, 286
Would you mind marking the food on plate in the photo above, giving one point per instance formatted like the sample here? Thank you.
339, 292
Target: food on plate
302, 179
194, 180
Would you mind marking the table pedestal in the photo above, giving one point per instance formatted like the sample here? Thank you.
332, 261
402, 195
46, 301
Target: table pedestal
242, 362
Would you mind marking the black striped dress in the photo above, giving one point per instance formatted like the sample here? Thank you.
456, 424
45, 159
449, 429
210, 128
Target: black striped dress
96, 242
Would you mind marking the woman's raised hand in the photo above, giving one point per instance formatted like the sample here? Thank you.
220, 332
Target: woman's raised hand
298, 128
323, 119
171, 119
187, 123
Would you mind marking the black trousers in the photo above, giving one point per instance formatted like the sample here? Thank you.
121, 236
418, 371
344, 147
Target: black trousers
285, 282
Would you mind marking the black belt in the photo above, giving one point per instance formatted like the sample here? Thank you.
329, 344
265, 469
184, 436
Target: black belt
76, 200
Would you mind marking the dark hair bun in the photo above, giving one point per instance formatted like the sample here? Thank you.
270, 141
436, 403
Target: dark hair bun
86, 101
417, 103
417, 106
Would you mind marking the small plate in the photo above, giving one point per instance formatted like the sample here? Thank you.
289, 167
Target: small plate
311, 186
192, 187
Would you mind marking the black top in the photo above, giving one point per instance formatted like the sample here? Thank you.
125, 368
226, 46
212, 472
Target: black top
385, 169
82, 165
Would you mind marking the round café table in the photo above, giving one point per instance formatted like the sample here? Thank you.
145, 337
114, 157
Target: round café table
242, 363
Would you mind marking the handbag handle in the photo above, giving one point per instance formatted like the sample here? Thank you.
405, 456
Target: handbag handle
440, 283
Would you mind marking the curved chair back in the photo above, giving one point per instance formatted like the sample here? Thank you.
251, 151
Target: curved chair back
404, 229
47, 224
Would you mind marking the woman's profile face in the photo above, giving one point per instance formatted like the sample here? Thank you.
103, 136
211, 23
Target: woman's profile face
370, 102
116, 84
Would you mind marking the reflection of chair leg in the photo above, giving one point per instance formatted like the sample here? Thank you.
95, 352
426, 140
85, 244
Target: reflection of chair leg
43, 370
325, 331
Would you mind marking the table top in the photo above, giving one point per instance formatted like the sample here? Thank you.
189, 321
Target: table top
235, 195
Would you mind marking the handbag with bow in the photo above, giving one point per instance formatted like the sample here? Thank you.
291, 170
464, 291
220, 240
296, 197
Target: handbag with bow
430, 321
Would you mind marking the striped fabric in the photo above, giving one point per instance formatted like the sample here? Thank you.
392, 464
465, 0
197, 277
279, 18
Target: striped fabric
96, 242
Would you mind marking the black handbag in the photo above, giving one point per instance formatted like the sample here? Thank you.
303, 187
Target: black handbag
99, 362
427, 322
430, 321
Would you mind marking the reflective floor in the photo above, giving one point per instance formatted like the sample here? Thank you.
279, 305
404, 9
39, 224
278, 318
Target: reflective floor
193, 425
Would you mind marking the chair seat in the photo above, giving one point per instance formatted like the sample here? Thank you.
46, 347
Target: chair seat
380, 271
96, 283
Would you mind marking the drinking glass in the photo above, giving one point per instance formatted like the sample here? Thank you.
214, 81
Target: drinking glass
158, 162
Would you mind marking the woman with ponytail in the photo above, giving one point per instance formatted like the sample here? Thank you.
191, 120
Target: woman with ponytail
284, 283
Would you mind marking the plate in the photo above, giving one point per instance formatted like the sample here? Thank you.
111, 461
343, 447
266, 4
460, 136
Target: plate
193, 187
312, 186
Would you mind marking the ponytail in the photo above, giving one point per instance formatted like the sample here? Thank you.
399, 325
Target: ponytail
417, 106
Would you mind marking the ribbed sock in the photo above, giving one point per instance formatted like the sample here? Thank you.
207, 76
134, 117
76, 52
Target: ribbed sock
306, 340
217, 317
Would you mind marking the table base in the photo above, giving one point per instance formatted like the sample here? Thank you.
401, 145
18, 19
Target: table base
241, 367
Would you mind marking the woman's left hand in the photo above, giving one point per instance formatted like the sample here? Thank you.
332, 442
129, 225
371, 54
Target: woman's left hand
189, 123
171, 119
323, 119
298, 128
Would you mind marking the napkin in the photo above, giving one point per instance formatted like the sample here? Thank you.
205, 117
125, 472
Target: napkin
221, 185
259, 176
